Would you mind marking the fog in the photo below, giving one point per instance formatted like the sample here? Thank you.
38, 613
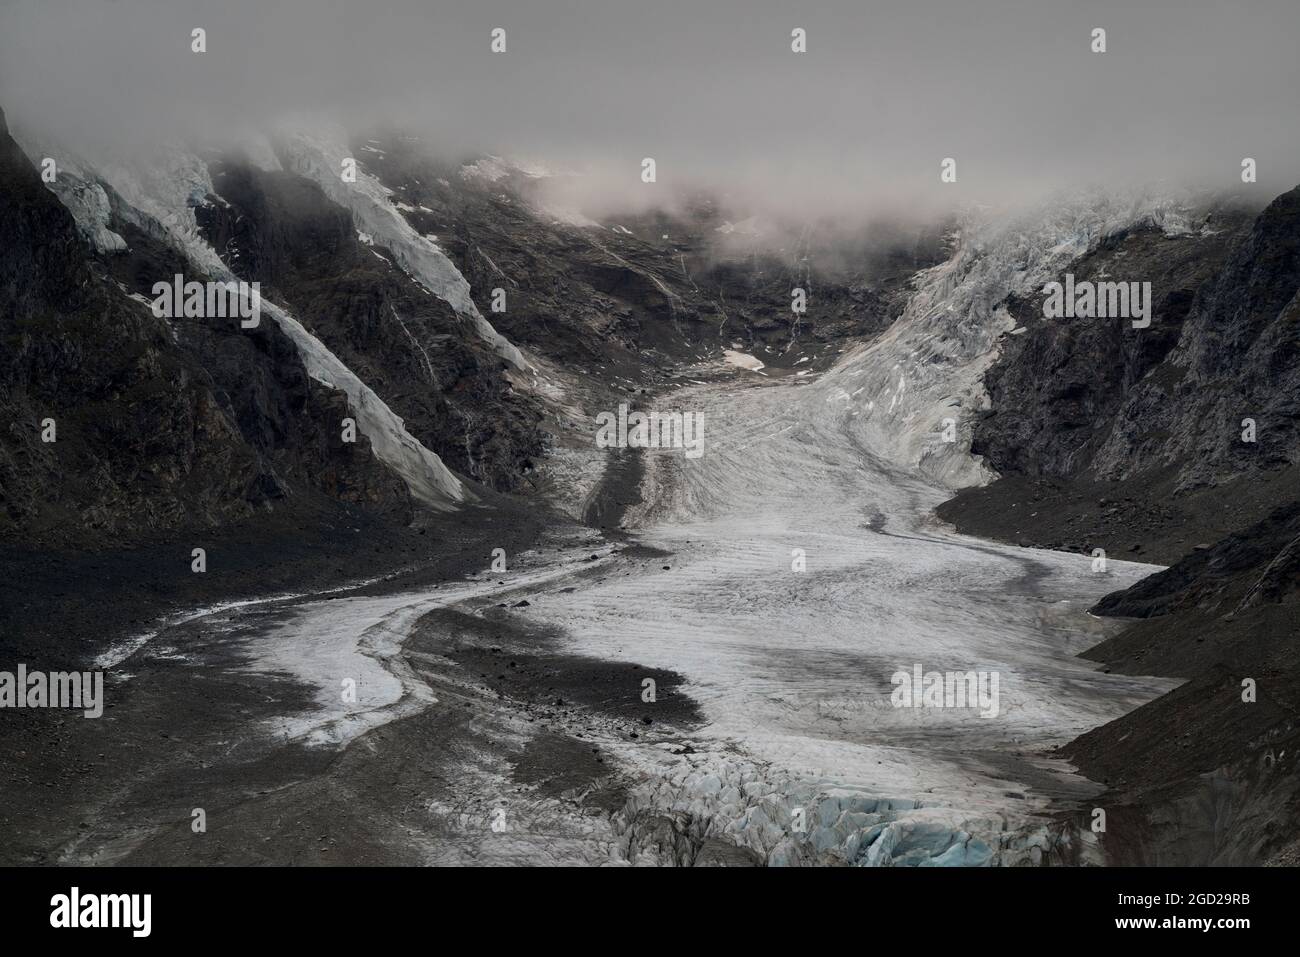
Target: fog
712, 91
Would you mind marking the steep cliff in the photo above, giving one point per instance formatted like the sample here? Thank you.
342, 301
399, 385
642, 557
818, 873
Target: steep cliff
150, 429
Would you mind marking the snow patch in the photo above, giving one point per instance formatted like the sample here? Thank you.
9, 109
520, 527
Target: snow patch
742, 360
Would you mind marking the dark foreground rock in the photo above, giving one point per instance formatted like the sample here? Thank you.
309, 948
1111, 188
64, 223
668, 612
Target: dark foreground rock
1208, 773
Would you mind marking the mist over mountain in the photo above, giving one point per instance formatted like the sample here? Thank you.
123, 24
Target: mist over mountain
859, 123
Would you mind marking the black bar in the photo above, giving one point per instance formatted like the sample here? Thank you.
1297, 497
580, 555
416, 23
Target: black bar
333, 906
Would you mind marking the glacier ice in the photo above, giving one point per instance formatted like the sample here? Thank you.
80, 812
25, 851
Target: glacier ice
792, 669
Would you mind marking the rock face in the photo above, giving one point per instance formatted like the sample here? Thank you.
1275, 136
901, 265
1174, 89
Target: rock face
155, 429
1257, 566
1149, 440
1061, 388
449, 387
1238, 357
1072, 398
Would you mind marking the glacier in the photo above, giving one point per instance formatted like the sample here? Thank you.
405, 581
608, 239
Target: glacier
800, 758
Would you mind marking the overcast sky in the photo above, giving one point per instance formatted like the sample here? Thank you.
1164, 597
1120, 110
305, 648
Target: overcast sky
711, 90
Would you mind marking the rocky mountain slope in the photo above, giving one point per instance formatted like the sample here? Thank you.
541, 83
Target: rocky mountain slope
640, 290
1207, 774
1135, 441
1131, 440
153, 429
448, 387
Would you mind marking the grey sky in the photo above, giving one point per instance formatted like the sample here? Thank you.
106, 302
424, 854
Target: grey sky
710, 89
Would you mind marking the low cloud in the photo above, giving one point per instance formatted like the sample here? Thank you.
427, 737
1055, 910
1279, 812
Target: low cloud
1010, 89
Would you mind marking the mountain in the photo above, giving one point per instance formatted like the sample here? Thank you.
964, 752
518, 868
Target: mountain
438, 336
1131, 440
156, 429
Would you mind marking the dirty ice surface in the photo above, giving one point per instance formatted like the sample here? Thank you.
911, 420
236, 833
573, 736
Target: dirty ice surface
795, 666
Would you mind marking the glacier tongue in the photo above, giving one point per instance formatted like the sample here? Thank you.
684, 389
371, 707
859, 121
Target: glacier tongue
319, 156
165, 198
